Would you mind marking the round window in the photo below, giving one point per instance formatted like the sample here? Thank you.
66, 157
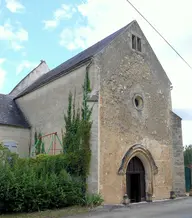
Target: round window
138, 102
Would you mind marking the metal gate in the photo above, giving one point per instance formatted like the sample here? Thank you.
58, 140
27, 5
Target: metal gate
187, 179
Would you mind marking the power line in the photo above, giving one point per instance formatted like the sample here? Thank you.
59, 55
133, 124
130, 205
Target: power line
160, 34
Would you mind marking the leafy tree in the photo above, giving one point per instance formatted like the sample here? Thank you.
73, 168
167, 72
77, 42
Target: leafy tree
188, 155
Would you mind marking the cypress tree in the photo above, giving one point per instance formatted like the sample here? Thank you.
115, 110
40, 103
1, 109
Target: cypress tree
77, 135
68, 118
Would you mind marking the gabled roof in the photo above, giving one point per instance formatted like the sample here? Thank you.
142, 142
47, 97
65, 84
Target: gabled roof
24, 80
10, 114
70, 64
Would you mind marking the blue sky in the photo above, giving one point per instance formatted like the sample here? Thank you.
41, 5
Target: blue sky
54, 31
26, 36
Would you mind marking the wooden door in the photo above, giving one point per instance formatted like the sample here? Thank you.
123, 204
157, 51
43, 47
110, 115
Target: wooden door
136, 180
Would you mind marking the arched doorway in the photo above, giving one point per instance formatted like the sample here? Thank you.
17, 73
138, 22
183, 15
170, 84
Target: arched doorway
135, 180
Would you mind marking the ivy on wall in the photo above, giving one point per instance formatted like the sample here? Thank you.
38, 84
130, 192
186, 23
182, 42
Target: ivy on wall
51, 181
76, 140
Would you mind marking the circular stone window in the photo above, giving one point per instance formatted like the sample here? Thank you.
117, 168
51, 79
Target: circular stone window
138, 102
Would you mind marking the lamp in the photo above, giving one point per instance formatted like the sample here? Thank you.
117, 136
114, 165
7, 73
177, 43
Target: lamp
126, 199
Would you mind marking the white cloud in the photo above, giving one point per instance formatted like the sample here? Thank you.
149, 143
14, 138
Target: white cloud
171, 18
2, 60
63, 13
14, 6
13, 35
2, 73
6, 32
186, 128
16, 46
25, 65
50, 24
68, 40
22, 35
103, 18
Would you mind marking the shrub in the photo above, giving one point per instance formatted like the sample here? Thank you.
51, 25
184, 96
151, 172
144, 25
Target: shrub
51, 181
37, 184
92, 200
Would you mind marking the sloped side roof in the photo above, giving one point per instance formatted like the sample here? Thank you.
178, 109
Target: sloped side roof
10, 114
39, 70
73, 62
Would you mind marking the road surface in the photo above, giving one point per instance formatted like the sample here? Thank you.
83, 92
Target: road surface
172, 209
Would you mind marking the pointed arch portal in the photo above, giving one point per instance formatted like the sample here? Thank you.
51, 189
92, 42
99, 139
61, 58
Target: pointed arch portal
139, 169
135, 180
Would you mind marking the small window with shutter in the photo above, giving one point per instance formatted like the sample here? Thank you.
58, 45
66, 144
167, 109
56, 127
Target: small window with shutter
11, 145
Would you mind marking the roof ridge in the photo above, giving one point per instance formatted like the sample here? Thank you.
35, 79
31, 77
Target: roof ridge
41, 62
75, 61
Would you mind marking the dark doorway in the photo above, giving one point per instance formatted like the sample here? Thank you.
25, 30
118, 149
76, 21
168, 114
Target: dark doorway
136, 180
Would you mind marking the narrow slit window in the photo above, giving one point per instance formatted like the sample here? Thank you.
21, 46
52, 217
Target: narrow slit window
133, 42
138, 44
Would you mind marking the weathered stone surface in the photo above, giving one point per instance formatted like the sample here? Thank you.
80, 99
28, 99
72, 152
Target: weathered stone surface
178, 158
125, 73
117, 75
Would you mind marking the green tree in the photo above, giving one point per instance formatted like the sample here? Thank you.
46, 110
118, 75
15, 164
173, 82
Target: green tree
188, 155
68, 119
76, 140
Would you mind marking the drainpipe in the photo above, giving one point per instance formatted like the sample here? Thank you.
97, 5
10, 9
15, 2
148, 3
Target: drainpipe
89, 65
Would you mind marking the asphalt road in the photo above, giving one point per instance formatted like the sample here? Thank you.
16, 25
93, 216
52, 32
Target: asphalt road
172, 209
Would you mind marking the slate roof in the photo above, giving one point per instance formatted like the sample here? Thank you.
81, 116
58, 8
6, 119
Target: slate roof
80, 58
10, 114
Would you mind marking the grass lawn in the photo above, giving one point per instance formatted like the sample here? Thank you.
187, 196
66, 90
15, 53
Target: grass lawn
49, 213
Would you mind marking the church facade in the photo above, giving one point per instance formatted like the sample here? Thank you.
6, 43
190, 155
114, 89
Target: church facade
136, 139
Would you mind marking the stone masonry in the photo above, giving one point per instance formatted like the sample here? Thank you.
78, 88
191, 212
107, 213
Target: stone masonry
178, 159
131, 100
125, 73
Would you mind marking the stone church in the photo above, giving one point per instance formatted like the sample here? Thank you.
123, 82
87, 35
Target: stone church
136, 139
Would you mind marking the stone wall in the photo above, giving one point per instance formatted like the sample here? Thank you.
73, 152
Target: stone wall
44, 109
125, 73
36, 73
178, 158
93, 180
19, 135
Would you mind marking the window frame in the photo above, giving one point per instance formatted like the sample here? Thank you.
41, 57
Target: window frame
136, 43
11, 145
139, 44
